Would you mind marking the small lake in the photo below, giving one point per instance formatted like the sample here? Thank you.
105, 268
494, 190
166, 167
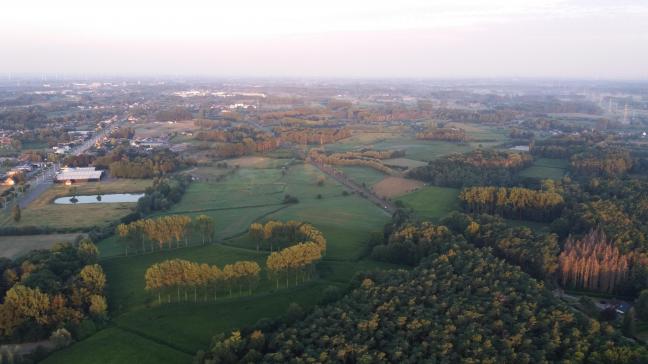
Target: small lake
107, 198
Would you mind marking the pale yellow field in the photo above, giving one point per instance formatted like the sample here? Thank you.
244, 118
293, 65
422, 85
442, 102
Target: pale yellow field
396, 186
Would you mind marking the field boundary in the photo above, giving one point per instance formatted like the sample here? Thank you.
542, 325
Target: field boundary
153, 339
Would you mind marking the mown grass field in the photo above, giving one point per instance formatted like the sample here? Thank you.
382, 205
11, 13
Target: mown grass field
432, 202
43, 212
546, 168
366, 175
423, 150
486, 135
404, 162
114, 345
254, 194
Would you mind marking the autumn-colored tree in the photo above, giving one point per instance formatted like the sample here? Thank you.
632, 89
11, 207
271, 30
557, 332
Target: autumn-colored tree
88, 251
593, 263
256, 233
93, 279
29, 303
98, 306
288, 232
10, 318
182, 275
297, 259
516, 202
205, 226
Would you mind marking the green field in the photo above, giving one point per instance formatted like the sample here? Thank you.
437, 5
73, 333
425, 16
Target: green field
423, 150
546, 168
486, 135
432, 202
255, 194
114, 345
366, 175
404, 162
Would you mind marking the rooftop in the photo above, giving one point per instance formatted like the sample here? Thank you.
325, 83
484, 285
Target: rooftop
80, 173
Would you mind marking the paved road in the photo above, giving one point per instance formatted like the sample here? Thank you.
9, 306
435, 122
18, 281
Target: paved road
43, 180
38, 185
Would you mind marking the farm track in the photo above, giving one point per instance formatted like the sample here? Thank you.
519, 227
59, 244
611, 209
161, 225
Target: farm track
343, 179
218, 209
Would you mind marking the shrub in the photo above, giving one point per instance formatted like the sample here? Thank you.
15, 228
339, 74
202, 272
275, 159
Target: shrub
294, 313
61, 338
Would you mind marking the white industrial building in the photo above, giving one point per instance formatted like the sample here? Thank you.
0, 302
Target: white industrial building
69, 175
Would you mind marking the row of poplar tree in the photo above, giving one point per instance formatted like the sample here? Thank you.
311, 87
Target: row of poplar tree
178, 277
165, 231
296, 263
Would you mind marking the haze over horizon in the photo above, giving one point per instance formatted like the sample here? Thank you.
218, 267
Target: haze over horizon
377, 39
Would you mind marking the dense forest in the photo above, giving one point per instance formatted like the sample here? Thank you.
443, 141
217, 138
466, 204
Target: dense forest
367, 158
459, 303
319, 136
602, 162
45, 290
479, 167
238, 141
515, 202
446, 134
134, 163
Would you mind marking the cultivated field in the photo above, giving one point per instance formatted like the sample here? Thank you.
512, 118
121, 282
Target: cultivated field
15, 246
396, 186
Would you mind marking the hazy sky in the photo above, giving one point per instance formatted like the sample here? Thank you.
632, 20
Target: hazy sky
330, 38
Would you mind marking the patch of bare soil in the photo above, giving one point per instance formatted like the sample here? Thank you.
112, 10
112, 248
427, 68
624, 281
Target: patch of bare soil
396, 186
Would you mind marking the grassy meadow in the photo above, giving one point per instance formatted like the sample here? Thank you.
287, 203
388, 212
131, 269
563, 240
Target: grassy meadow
432, 202
546, 168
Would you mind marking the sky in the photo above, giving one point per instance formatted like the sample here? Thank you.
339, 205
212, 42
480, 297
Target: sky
584, 39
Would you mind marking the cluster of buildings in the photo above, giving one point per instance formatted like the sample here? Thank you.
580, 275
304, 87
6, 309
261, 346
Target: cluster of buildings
9, 178
149, 143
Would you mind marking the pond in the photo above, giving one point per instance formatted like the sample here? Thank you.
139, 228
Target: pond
108, 198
